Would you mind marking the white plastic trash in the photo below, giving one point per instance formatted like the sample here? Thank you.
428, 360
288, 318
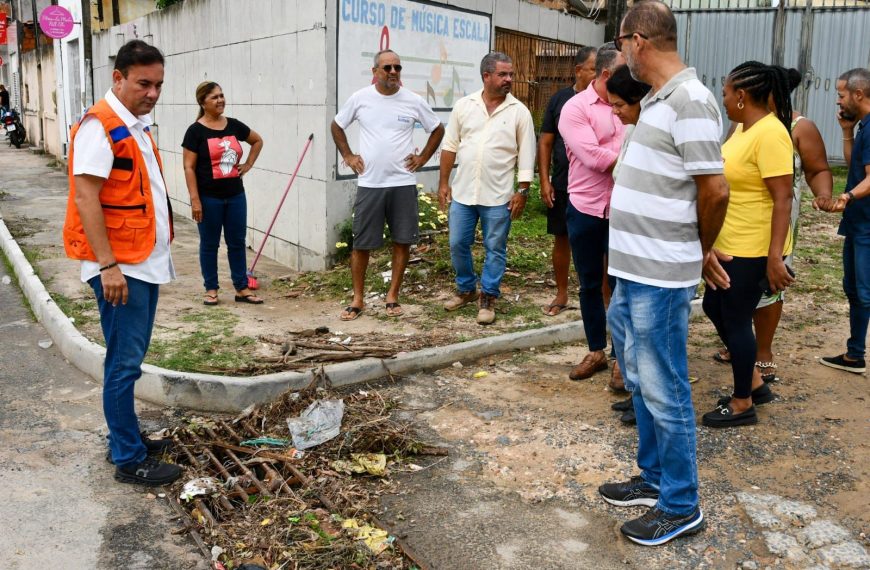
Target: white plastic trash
319, 423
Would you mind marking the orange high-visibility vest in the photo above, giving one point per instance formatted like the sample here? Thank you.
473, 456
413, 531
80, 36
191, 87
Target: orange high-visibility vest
128, 205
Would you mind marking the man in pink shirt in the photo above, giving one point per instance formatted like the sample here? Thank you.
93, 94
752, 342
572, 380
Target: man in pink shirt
592, 135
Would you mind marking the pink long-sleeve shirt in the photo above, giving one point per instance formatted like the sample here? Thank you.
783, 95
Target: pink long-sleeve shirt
593, 136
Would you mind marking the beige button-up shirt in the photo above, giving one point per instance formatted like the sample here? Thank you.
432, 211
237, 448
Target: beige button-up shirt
488, 147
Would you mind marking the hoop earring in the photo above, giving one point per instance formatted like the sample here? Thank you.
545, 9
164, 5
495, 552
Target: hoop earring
740, 105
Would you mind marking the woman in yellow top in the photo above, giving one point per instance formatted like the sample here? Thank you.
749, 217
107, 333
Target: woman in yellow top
755, 236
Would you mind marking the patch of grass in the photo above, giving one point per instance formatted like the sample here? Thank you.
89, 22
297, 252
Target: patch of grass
10, 271
211, 347
82, 311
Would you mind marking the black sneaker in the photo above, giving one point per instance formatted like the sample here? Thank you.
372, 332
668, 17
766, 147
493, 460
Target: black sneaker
840, 363
628, 417
656, 527
154, 448
761, 395
629, 493
723, 416
150, 472
622, 405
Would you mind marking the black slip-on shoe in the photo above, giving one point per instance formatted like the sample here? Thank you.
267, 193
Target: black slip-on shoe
622, 405
840, 363
151, 472
761, 395
629, 493
723, 416
656, 527
628, 417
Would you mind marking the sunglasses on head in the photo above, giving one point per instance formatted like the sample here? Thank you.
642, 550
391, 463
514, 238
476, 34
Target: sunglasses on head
617, 41
389, 68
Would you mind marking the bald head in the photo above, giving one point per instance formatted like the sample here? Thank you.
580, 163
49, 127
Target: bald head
653, 20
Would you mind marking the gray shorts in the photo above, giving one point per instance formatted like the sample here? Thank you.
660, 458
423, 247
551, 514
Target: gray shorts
396, 205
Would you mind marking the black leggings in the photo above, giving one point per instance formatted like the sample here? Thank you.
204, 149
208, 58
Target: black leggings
731, 312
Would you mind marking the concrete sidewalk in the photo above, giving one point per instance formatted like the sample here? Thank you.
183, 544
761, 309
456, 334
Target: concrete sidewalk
33, 203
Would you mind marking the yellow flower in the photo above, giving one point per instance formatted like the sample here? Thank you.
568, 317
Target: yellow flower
340, 245
420, 186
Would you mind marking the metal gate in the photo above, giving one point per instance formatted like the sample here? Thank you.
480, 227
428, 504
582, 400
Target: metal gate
820, 39
541, 67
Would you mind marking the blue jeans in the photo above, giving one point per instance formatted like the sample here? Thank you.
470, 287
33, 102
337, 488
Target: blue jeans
231, 216
649, 327
495, 223
856, 284
127, 331
588, 237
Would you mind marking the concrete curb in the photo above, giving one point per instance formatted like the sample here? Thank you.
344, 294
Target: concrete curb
208, 392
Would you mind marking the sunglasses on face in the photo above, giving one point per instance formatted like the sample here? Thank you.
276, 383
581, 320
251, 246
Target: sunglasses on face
617, 41
389, 68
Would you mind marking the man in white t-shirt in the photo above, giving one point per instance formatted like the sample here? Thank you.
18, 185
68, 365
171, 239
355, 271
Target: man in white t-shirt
386, 188
119, 224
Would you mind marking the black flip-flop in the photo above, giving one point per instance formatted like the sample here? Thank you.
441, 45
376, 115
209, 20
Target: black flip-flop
719, 358
247, 299
210, 300
354, 312
393, 307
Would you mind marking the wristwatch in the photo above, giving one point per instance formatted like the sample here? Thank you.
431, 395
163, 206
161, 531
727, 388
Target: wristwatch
850, 195
523, 191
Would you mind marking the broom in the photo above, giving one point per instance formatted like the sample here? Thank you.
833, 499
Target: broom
252, 281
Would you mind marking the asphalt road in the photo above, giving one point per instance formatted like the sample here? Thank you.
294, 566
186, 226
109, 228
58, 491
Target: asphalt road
59, 504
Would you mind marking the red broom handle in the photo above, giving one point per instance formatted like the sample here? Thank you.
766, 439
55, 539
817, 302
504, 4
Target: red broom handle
284, 197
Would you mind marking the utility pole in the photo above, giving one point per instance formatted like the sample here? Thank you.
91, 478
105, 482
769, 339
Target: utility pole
616, 9
87, 49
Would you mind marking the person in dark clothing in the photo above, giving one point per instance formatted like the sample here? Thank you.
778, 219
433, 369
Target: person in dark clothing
4, 98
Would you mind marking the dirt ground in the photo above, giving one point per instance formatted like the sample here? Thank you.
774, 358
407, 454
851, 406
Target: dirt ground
528, 447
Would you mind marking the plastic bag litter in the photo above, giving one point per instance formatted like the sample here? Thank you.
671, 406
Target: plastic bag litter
372, 463
197, 487
375, 539
319, 423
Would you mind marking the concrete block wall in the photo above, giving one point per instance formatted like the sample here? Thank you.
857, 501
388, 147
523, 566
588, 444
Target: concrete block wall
276, 62
269, 56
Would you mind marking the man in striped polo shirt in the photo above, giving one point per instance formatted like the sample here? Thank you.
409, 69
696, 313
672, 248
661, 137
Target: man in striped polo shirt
668, 204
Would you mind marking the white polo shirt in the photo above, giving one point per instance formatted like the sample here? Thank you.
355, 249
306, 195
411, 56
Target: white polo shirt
93, 155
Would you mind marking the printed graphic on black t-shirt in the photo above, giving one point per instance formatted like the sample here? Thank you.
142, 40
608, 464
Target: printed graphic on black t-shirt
225, 153
218, 154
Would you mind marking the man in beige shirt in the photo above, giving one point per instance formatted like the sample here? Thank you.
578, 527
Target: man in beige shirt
491, 133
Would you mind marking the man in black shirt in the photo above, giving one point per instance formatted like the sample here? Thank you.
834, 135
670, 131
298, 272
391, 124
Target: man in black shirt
554, 191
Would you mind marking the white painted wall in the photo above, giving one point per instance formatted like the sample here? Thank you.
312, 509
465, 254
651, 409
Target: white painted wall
276, 61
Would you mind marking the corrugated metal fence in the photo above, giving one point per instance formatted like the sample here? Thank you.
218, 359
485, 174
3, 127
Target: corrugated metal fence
821, 40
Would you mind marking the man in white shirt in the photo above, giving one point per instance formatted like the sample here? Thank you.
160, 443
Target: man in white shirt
490, 132
119, 223
386, 187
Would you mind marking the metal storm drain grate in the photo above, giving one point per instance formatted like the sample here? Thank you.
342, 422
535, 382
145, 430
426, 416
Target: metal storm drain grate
254, 502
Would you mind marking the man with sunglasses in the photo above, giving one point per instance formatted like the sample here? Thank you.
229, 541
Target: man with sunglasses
668, 205
385, 165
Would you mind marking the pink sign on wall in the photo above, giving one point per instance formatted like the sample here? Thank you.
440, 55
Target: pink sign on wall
56, 22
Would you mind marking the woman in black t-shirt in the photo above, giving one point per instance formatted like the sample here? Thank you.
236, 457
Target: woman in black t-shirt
212, 153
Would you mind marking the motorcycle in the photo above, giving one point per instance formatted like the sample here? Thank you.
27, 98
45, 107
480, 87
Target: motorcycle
15, 131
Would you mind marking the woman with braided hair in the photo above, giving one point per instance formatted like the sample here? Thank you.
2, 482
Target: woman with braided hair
755, 236
810, 165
